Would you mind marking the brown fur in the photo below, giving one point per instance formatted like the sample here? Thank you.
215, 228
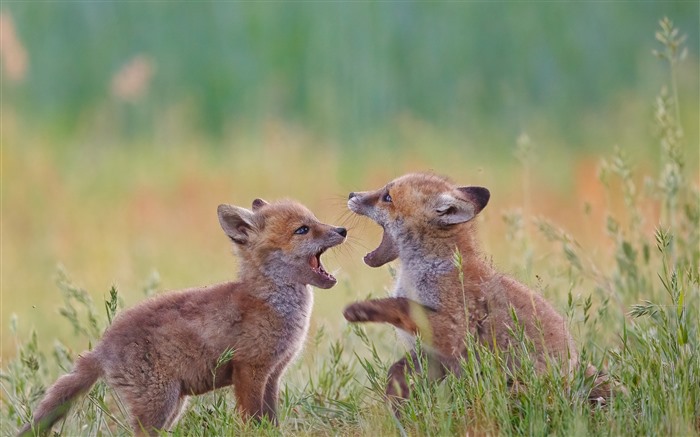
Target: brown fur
160, 352
426, 219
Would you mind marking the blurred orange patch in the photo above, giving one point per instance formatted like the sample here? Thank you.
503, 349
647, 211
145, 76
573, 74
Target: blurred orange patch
132, 81
14, 57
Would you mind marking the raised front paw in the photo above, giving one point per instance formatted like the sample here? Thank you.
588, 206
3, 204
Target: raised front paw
359, 312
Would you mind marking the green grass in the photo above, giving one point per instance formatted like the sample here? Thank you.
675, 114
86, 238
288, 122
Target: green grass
345, 69
621, 261
337, 388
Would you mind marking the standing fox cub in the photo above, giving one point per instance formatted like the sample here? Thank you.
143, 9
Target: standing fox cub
426, 219
165, 349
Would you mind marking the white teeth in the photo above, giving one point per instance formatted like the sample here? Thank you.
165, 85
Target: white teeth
317, 266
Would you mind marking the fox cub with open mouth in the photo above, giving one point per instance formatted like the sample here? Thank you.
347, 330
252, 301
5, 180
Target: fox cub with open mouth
426, 219
165, 349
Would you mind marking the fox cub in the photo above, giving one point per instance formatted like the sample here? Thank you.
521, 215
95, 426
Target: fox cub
165, 349
426, 218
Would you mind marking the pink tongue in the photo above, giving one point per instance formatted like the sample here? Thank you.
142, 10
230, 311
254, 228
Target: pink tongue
314, 262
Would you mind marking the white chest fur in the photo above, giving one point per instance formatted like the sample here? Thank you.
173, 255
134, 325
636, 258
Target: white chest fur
293, 306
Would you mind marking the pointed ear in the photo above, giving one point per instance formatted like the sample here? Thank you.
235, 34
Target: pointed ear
451, 210
258, 203
479, 196
238, 223
462, 206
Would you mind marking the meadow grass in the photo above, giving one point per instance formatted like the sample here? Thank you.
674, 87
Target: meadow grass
631, 293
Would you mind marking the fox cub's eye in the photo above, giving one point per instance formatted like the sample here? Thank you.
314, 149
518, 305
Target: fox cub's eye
387, 197
302, 230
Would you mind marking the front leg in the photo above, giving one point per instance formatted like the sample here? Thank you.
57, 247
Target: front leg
271, 396
249, 386
405, 314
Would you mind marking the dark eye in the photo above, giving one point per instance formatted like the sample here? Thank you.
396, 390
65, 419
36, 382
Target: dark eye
387, 198
302, 230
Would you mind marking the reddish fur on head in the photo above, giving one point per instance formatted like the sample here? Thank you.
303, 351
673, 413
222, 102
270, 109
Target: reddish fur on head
282, 238
425, 203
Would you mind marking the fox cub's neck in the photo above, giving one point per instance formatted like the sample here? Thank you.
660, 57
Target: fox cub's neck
264, 277
267, 287
291, 300
430, 264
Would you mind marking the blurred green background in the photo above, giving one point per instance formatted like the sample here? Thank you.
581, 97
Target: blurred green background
124, 125
343, 70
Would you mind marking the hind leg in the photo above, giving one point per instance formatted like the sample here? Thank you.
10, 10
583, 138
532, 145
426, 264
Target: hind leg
154, 408
397, 389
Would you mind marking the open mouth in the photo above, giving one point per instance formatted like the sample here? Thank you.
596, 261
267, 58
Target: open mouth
386, 252
317, 268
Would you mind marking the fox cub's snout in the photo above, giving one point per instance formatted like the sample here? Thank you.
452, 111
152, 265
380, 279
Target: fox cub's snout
285, 237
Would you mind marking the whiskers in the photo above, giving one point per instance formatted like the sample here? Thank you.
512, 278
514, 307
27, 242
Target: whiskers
340, 203
354, 247
353, 244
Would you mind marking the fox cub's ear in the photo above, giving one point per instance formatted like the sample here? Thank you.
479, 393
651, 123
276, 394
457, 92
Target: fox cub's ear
238, 223
461, 206
258, 203
478, 195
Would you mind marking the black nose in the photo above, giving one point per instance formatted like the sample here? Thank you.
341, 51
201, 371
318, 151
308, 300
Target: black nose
351, 195
342, 231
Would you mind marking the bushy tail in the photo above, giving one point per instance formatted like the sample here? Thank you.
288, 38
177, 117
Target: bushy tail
60, 396
603, 388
